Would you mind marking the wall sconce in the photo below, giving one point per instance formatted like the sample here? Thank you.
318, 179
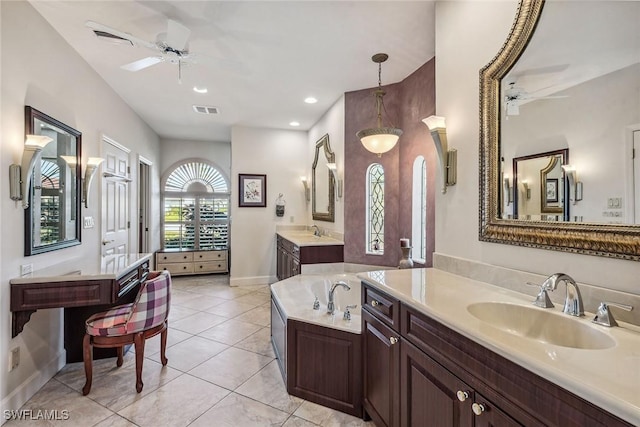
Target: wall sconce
446, 157
575, 186
89, 171
334, 171
307, 191
527, 189
507, 190
20, 175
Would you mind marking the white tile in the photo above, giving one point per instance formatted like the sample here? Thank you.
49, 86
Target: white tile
192, 352
260, 343
198, 322
231, 308
260, 316
231, 367
328, 417
239, 411
176, 404
267, 386
230, 332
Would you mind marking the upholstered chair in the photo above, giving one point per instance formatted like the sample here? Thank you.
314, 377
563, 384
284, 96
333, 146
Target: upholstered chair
130, 324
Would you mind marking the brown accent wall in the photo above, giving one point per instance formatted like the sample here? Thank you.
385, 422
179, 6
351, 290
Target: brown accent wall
407, 103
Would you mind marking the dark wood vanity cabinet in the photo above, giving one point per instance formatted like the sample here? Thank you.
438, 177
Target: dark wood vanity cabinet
430, 375
290, 257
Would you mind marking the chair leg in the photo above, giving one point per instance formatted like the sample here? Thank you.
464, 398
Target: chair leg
120, 352
87, 355
138, 341
163, 346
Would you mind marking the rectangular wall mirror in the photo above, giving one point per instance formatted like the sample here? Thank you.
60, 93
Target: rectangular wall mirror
52, 220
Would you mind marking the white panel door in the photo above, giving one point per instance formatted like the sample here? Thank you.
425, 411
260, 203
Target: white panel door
115, 198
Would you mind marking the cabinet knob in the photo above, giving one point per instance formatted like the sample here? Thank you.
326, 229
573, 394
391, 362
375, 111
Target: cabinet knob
462, 395
374, 303
478, 408
393, 340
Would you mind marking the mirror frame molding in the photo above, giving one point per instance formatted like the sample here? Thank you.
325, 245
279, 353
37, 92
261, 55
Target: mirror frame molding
324, 145
30, 115
608, 240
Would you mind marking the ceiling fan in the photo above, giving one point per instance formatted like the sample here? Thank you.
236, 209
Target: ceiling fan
172, 46
514, 96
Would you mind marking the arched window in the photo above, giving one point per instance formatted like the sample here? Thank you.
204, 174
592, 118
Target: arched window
375, 209
419, 210
196, 207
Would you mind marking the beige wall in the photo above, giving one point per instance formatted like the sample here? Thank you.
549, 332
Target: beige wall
468, 35
40, 69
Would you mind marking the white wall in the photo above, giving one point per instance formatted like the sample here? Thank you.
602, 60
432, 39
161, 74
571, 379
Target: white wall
174, 151
468, 35
40, 69
332, 122
283, 156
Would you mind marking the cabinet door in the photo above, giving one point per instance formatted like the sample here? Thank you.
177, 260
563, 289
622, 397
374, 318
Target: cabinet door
488, 415
381, 349
430, 392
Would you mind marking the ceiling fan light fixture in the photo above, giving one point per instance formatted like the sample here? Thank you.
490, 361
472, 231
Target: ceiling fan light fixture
380, 139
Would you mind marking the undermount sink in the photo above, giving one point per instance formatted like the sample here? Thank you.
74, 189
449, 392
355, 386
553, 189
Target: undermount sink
541, 325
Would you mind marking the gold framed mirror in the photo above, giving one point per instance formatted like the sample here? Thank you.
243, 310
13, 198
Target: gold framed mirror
322, 186
497, 91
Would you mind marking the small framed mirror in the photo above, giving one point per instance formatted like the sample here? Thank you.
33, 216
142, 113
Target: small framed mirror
52, 220
322, 185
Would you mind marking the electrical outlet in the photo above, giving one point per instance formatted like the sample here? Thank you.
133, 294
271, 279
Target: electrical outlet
14, 358
26, 269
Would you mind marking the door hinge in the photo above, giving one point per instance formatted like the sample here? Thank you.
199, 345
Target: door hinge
129, 170
633, 153
128, 224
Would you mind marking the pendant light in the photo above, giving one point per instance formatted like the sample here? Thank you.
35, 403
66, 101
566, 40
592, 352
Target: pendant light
380, 139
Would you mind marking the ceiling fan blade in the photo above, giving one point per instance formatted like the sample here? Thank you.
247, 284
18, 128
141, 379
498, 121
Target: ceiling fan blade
97, 27
142, 63
177, 35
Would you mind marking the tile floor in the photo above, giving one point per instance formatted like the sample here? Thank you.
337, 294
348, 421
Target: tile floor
221, 371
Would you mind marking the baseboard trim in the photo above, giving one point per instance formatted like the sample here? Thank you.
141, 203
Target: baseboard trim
25, 391
252, 281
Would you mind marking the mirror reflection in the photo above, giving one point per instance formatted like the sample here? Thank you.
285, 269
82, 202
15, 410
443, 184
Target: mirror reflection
322, 186
52, 218
576, 88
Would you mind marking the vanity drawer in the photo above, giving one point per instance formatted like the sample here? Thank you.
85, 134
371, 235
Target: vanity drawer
174, 257
210, 256
381, 305
210, 267
177, 267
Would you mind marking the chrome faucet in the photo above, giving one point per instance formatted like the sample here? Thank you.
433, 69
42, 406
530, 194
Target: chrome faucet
573, 300
331, 307
316, 231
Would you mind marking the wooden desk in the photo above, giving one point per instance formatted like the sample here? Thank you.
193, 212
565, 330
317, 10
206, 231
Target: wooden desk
82, 288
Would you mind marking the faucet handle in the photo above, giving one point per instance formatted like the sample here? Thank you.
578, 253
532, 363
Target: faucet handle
604, 316
347, 313
542, 299
316, 304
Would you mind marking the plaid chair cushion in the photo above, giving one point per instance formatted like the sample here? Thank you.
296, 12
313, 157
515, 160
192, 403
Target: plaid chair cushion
111, 322
150, 309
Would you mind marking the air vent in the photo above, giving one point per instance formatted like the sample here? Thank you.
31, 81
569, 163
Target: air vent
202, 109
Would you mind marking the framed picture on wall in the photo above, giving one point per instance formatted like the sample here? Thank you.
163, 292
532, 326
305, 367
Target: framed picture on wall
252, 191
552, 190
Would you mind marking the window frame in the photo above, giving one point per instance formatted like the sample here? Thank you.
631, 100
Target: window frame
369, 211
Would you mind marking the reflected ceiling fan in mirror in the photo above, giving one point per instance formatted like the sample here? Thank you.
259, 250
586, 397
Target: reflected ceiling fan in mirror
514, 96
172, 46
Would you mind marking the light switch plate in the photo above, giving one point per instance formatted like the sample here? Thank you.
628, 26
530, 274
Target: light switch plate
88, 222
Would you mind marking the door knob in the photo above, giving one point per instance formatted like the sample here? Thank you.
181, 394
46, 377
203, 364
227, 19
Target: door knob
478, 408
462, 395
106, 242
393, 340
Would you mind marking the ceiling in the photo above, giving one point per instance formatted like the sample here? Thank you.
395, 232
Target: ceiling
258, 59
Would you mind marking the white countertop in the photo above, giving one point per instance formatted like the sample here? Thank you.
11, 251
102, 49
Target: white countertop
609, 378
306, 238
107, 267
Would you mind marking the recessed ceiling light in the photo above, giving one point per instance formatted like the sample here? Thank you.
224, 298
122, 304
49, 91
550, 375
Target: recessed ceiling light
310, 100
200, 89
294, 124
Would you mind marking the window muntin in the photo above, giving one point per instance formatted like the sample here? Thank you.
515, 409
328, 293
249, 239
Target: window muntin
196, 207
375, 210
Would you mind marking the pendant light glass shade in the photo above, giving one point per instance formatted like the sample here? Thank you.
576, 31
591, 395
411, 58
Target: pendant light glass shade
380, 139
